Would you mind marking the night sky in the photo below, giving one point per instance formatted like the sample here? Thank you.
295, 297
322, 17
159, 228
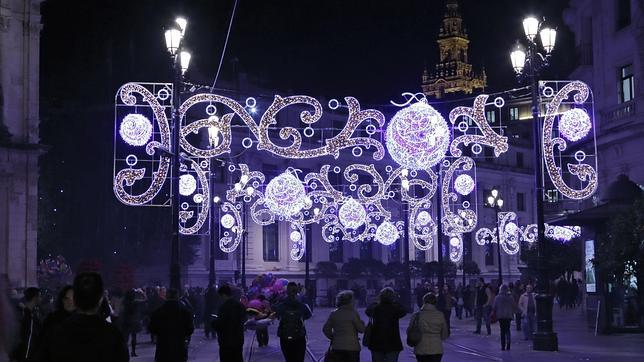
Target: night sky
373, 50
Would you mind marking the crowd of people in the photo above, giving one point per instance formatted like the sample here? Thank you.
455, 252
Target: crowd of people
86, 322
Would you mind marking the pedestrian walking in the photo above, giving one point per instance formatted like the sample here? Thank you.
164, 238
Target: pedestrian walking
292, 313
504, 309
384, 341
210, 310
131, 317
229, 326
64, 308
528, 308
30, 326
433, 330
483, 306
172, 326
86, 335
516, 295
342, 328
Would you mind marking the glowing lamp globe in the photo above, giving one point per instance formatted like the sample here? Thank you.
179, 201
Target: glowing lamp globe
417, 137
295, 236
386, 233
574, 124
285, 195
135, 129
464, 184
187, 185
352, 214
454, 241
227, 221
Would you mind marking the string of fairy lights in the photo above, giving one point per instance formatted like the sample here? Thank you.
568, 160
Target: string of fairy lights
430, 152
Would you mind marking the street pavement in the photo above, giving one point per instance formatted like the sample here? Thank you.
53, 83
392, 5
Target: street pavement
576, 343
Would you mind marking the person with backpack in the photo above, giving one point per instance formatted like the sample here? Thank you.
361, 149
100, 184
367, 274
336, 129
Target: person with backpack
427, 330
342, 328
292, 313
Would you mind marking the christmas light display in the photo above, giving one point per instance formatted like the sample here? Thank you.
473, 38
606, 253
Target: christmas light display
227, 221
387, 233
464, 184
417, 137
285, 195
187, 185
136, 129
574, 124
352, 214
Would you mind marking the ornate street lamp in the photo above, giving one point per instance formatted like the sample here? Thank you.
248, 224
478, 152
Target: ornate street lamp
180, 60
527, 65
495, 201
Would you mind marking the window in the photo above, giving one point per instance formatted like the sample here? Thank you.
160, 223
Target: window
626, 86
520, 201
271, 242
336, 252
490, 116
519, 159
623, 18
552, 196
514, 113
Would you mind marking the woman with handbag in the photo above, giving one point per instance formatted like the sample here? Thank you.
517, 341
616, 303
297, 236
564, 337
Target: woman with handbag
503, 309
382, 335
427, 330
342, 328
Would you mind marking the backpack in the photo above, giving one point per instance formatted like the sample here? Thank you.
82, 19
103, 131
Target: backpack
414, 335
291, 325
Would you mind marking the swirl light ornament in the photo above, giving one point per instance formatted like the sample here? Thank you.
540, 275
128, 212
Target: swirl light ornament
135, 129
417, 136
387, 233
574, 124
187, 185
352, 214
285, 195
464, 184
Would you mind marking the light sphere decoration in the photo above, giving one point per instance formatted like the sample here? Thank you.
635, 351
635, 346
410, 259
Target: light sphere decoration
464, 184
295, 236
454, 241
423, 218
135, 129
187, 185
285, 195
352, 214
574, 124
227, 221
417, 137
511, 228
386, 233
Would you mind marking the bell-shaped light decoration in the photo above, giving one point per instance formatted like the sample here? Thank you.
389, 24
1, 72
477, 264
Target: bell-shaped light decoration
495, 193
184, 61
548, 37
213, 136
499, 203
530, 27
183, 23
518, 59
490, 200
172, 40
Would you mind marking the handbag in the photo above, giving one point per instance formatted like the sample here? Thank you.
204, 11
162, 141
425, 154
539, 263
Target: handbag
366, 338
328, 356
414, 335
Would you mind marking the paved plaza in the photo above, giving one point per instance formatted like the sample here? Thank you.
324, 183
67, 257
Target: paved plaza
576, 343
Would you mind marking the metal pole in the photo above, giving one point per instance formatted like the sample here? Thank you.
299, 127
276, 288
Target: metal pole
406, 260
544, 338
307, 260
212, 278
439, 233
175, 266
498, 244
243, 248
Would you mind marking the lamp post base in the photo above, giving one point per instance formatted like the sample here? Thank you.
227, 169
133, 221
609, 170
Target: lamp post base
544, 338
546, 341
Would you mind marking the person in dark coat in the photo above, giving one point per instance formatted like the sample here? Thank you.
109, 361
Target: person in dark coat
211, 304
172, 325
292, 313
30, 326
131, 317
64, 308
385, 344
229, 326
85, 335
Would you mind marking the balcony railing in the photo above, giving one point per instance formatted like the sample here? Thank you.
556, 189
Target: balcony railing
617, 114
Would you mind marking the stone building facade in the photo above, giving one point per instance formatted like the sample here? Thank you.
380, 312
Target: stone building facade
19, 142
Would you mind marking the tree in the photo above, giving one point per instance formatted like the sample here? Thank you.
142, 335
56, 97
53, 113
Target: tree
373, 268
469, 267
415, 269
326, 270
562, 258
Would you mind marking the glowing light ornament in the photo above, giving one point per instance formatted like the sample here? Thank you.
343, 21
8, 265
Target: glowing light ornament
135, 129
227, 221
417, 136
285, 195
387, 233
352, 214
295, 236
464, 184
423, 218
574, 124
187, 185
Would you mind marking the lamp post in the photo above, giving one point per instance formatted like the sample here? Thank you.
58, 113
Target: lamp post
495, 201
180, 60
528, 65
213, 141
